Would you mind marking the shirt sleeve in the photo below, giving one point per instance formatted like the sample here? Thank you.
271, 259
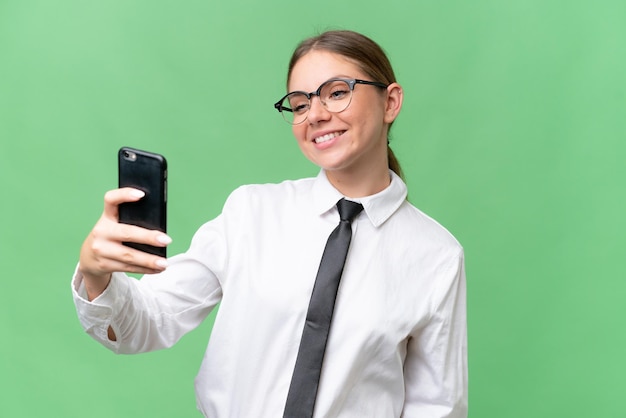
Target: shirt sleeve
436, 362
156, 311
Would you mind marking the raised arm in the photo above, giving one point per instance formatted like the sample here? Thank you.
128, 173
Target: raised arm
103, 253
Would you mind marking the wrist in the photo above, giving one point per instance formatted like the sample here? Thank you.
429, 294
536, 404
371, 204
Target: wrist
95, 284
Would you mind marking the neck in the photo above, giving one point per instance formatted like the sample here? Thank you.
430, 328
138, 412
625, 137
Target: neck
359, 184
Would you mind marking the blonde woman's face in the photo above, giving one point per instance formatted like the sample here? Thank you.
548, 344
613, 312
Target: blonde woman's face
349, 141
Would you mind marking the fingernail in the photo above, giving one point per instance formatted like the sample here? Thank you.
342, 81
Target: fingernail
164, 239
161, 263
137, 193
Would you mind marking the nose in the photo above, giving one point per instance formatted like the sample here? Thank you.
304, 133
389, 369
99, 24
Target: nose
317, 111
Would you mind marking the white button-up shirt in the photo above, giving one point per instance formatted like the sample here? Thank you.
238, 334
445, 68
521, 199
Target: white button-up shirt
397, 345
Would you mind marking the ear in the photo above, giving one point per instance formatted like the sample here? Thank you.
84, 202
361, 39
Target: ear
394, 102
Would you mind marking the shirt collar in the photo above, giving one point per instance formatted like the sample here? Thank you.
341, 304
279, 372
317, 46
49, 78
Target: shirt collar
378, 207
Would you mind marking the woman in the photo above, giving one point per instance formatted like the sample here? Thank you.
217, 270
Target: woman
397, 345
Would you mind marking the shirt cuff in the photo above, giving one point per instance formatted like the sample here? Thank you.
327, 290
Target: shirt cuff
97, 315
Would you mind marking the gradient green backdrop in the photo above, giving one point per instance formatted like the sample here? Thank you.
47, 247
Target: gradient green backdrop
513, 136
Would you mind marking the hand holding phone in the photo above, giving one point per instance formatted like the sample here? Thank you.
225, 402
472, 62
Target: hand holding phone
147, 172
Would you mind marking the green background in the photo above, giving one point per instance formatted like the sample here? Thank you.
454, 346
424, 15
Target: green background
512, 135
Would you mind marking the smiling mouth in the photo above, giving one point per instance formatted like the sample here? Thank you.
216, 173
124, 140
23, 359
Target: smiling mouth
327, 137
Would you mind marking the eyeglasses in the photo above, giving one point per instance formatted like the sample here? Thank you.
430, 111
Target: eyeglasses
335, 95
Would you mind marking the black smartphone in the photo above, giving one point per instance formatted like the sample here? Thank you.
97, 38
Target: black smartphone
145, 171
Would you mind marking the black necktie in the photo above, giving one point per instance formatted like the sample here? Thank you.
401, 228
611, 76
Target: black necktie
306, 374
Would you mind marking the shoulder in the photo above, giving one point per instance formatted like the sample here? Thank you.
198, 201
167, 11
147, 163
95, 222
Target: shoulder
272, 190
274, 195
416, 226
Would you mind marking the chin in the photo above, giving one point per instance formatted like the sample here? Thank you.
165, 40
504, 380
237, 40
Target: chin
334, 167
330, 162
329, 165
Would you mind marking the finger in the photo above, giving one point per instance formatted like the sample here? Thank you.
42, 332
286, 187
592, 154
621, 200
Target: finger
111, 230
103, 251
137, 261
113, 198
139, 235
131, 268
107, 267
110, 256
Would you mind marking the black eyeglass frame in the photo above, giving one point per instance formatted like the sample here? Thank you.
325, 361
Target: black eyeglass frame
350, 81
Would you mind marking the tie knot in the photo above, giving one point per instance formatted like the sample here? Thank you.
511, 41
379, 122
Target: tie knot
348, 209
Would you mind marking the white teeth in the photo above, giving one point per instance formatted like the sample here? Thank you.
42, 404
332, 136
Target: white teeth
326, 137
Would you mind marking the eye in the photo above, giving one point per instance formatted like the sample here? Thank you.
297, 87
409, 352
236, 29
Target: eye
336, 90
338, 94
298, 103
301, 108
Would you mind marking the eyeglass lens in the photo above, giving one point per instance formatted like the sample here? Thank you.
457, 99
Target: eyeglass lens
335, 96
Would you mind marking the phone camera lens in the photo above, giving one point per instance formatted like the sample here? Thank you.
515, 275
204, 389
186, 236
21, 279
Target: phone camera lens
129, 155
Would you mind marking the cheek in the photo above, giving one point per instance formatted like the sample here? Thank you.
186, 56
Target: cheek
298, 132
